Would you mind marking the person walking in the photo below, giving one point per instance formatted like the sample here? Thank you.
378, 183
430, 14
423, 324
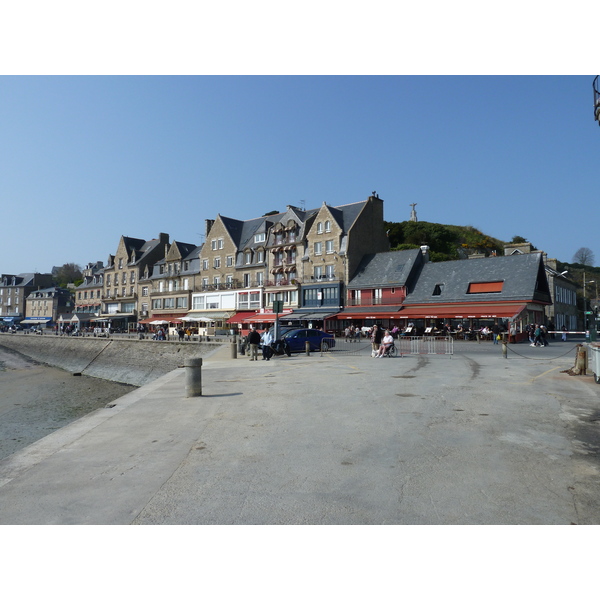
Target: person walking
376, 335
267, 341
254, 341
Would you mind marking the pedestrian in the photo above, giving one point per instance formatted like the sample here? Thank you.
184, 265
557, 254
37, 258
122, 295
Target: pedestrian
496, 333
181, 333
253, 341
376, 335
267, 340
564, 333
386, 341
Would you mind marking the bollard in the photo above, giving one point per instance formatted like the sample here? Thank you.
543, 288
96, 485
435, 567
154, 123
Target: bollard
193, 377
307, 348
504, 349
233, 348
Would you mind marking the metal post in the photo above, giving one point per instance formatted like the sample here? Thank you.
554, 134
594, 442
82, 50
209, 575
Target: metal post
307, 348
193, 377
504, 349
234, 347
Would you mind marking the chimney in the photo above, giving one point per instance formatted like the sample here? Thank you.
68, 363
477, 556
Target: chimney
207, 227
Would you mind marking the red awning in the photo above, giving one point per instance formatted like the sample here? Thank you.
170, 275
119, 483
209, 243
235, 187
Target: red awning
263, 318
461, 311
241, 316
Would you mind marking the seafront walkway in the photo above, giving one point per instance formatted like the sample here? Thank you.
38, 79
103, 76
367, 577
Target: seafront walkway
339, 438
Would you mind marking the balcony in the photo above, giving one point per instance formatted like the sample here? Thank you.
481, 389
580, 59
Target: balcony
399, 299
211, 287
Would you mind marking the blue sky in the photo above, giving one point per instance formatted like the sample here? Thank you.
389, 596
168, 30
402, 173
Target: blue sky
86, 159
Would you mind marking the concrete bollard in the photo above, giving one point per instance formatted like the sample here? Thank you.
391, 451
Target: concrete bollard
307, 348
504, 349
193, 377
233, 348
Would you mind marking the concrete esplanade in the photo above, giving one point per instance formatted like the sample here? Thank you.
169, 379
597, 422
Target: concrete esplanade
338, 438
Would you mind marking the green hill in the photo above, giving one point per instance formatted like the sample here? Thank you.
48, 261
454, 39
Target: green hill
446, 242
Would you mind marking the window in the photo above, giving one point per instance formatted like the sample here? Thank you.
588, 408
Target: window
260, 256
246, 279
329, 246
248, 258
124, 278
205, 282
186, 284
318, 248
131, 291
216, 280
327, 226
169, 303
161, 286
260, 237
170, 285
437, 290
213, 244
205, 264
229, 280
186, 265
318, 272
330, 271
157, 303
120, 263
145, 291
217, 263
319, 227
485, 287
221, 243
230, 261
108, 279
132, 277
198, 302
182, 302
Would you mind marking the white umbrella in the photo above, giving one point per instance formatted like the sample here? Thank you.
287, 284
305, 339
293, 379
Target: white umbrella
159, 322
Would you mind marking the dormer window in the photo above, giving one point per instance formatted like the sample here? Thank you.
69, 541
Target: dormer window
260, 238
437, 290
248, 258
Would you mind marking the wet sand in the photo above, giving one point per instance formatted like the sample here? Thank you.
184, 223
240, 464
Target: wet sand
36, 399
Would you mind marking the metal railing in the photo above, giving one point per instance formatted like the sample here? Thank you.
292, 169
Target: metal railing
425, 345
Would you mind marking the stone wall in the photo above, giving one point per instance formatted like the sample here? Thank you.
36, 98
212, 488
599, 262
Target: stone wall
135, 362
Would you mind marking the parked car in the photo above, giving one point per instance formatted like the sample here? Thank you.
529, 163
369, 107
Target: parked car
296, 339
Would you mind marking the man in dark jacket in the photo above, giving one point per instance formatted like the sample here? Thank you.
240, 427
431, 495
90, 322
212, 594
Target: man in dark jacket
254, 341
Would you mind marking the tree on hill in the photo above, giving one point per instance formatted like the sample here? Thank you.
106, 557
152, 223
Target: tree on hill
584, 256
68, 273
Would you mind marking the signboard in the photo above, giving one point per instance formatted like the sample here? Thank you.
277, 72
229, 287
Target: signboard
277, 306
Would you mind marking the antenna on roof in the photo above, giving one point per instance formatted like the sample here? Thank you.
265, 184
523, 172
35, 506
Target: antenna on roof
303, 204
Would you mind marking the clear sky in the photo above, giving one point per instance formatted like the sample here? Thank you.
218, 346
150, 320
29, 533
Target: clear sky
86, 159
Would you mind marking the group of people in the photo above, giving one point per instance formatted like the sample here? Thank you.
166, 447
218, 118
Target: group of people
537, 334
267, 340
381, 341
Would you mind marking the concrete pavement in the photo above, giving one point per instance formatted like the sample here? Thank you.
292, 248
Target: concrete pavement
334, 439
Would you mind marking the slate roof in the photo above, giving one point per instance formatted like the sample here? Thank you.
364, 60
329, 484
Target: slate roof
387, 269
346, 214
523, 275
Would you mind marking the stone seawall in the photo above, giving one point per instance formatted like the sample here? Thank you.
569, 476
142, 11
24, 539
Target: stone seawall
131, 361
